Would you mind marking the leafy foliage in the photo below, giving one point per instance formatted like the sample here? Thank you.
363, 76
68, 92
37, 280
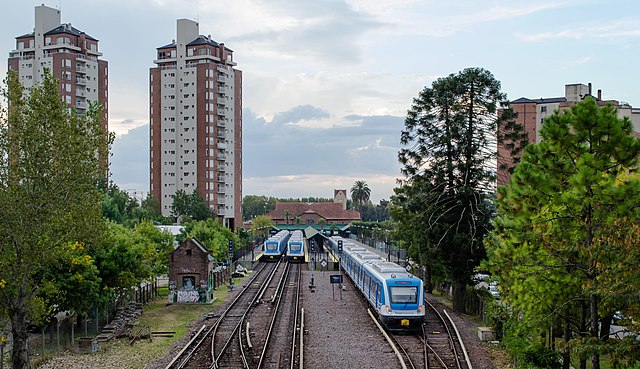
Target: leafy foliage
187, 207
557, 234
449, 157
213, 236
360, 193
49, 167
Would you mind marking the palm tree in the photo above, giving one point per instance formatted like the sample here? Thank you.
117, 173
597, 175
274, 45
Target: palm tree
286, 216
360, 193
297, 221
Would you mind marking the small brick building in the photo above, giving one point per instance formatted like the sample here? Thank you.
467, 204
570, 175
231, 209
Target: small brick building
191, 273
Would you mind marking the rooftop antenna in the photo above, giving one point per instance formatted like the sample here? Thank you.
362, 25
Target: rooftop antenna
197, 13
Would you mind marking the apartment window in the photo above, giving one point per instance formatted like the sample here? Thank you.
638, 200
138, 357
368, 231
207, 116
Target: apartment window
543, 109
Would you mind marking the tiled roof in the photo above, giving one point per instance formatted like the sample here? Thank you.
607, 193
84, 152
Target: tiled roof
70, 30
171, 45
203, 40
330, 211
26, 35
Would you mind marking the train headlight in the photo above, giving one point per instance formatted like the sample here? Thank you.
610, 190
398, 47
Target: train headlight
419, 309
388, 308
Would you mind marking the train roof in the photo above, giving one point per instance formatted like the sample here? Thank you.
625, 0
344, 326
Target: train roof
366, 255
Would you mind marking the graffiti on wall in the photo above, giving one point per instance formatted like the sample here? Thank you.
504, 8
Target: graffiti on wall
188, 296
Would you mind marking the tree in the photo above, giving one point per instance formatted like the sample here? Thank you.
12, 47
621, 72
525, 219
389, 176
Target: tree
187, 207
286, 214
297, 221
261, 225
557, 234
450, 140
49, 201
212, 235
322, 223
253, 205
117, 205
360, 193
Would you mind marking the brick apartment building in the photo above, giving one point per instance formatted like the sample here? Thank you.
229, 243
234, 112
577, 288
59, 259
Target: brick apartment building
196, 123
71, 55
532, 112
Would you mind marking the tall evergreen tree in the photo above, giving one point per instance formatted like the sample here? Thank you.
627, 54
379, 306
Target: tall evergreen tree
450, 138
549, 247
49, 203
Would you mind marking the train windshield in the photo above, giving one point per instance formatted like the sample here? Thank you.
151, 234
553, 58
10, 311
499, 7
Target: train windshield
272, 246
294, 247
404, 295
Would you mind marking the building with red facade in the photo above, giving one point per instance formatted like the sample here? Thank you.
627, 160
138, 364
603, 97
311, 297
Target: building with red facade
70, 55
196, 123
532, 112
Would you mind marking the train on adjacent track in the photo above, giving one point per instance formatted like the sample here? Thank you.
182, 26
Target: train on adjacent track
396, 295
275, 246
296, 247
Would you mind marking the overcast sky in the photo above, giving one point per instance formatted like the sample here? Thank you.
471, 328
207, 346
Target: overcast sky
327, 83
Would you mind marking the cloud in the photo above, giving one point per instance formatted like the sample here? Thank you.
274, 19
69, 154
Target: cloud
324, 31
317, 185
299, 113
129, 164
603, 29
276, 148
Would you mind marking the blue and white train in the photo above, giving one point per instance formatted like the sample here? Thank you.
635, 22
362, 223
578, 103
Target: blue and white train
296, 247
275, 245
396, 295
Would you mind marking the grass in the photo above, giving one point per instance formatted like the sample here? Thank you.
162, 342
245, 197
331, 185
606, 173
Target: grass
159, 316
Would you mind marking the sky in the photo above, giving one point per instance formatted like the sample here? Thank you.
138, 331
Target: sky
327, 83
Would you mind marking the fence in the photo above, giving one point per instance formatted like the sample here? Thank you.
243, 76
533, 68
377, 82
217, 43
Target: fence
64, 331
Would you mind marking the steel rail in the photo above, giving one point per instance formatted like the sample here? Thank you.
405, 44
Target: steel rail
216, 358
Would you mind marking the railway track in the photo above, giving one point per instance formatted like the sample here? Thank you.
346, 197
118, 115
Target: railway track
445, 349
279, 350
209, 345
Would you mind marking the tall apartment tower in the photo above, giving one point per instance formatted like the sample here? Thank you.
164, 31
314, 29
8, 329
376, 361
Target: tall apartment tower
196, 123
532, 112
71, 56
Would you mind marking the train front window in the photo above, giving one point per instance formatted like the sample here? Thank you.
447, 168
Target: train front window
294, 247
272, 246
404, 295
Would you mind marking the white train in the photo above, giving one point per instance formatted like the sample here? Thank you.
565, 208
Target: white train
396, 295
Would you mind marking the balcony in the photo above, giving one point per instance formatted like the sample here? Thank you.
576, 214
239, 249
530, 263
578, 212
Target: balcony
221, 145
221, 135
81, 69
86, 57
81, 81
221, 179
221, 211
81, 105
220, 199
81, 93
221, 122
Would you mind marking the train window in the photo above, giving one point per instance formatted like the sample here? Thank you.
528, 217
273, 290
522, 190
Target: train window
271, 246
403, 295
295, 247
